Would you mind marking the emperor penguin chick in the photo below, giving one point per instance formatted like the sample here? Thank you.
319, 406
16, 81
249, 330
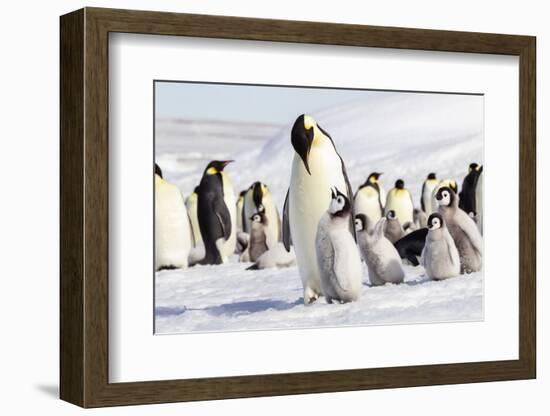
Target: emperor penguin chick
337, 255
463, 229
440, 256
259, 241
382, 258
393, 229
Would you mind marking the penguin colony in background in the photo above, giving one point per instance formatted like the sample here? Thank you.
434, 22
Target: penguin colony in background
326, 229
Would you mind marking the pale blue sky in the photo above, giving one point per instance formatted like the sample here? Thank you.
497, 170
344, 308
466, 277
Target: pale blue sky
250, 103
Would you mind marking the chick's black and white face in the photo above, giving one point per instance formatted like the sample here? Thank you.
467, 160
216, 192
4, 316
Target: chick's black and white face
435, 221
359, 226
339, 204
443, 197
391, 214
257, 218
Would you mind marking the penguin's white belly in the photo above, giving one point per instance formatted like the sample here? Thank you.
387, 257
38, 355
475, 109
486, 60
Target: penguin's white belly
430, 204
367, 202
309, 198
402, 204
272, 215
228, 248
172, 232
479, 203
194, 219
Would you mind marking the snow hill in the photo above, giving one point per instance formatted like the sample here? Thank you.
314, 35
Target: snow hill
404, 135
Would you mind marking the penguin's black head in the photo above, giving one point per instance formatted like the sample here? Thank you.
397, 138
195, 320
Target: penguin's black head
473, 166
431, 176
216, 166
361, 222
302, 135
445, 196
258, 193
158, 170
374, 176
242, 194
340, 205
435, 221
258, 217
399, 184
391, 215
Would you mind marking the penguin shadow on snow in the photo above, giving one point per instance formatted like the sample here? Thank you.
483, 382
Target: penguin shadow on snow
234, 308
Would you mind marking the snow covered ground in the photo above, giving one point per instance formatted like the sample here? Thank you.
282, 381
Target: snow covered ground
403, 135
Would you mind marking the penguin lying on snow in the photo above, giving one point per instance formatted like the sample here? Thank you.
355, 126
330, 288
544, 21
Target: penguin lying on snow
172, 231
316, 169
337, 255
275, 257
370, 198
216, 213
400, 201
440, 256
382, 258
463, 229
393, 229
410, 246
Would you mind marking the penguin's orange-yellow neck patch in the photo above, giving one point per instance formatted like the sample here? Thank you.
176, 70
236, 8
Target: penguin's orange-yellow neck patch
211, 171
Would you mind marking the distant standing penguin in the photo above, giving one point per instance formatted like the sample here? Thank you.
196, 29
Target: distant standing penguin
370, 198
258, 198
191, 204
463, 229
382, 258
240, 205
400, 201
427, 193
216, 213
440, 256
450, 183
316, 169
337, 254
172, 231
393, 228
468, 193
420, 218
259, 241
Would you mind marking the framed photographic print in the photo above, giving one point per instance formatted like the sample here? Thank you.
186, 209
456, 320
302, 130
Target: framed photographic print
256, 207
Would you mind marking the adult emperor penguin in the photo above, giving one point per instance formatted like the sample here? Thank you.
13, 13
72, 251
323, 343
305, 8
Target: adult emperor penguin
172, 231
382, 258
463, 229
258, 198
450, 183
427, 193
468, 193
411, 245
316, 169
337, 255
400, 200
216, 213
440, 256
370, 198
191, 204
240, 205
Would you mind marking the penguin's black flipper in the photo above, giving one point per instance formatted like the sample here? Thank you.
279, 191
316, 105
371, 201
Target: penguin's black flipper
287, 239
224, 218
350, 196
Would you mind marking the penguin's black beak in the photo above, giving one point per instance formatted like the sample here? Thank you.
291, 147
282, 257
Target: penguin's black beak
224, 163
302, 139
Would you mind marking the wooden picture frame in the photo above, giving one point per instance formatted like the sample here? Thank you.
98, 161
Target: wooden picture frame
84, 207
